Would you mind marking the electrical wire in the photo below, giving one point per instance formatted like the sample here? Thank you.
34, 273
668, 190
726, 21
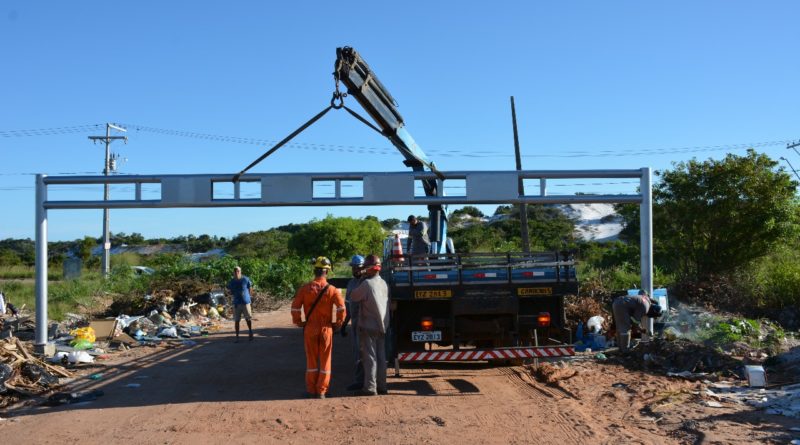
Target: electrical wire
446, 153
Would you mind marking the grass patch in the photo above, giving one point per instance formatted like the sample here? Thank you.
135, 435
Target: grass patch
21, 272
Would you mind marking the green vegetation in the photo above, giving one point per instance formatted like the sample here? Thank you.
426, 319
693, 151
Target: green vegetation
338, 238
715, 217
726, 233
754, 333
548, 227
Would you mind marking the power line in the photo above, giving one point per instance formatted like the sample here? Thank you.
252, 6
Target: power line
441, 152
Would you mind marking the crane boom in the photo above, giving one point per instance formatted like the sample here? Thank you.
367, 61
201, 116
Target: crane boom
369, 92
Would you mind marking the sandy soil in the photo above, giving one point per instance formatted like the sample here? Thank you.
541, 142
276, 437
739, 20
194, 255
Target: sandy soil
218, 391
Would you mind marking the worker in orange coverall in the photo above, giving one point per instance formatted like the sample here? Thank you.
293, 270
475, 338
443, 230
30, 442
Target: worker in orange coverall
318, 299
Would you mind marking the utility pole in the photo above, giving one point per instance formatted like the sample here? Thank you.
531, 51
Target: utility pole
792, 167
523, 208
793, 146
107, 168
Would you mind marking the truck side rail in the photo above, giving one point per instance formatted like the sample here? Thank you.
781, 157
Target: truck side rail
480, 268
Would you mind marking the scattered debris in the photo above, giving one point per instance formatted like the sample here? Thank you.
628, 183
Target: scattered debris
438, 421
681, 356
551, 374
24, 375
580, 309
63, 398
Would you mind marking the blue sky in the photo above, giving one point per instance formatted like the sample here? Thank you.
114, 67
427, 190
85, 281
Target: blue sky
596, 84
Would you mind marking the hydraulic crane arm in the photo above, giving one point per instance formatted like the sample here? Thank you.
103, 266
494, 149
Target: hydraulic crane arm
364, 86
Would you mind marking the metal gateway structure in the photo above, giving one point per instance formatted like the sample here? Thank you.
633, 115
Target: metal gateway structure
333, 189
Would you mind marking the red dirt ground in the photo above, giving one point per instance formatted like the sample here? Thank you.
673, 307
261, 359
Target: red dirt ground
218, 391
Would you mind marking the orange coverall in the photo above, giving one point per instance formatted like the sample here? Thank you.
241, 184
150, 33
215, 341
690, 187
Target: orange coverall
318, 332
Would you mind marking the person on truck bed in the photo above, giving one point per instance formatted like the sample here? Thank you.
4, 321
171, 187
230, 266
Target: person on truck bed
632, 307
318, 299
373, 321
418, 241
356, 266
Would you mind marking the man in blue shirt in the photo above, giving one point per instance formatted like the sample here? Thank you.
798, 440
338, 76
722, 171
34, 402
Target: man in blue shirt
240, 287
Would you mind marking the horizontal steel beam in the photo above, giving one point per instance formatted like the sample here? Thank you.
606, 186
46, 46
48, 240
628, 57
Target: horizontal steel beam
337, 189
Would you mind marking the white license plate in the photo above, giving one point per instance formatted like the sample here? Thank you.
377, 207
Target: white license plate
426, 335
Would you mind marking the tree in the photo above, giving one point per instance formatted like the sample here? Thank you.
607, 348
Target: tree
469, 210
268, 244
715, 216
390, 223
338, 238
85, 247
9, 258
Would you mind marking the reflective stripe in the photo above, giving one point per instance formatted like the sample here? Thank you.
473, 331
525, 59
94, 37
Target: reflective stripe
296, 310
325, 372
312, 370
338, 309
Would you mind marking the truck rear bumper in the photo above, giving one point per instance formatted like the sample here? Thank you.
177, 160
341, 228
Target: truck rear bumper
521, 352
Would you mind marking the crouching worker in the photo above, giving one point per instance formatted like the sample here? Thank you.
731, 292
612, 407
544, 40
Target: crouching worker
632, 307
372, 296
318, 299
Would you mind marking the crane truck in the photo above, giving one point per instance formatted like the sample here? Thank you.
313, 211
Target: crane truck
448, 306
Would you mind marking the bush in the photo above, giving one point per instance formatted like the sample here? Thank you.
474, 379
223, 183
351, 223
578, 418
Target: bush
772, 282
616, 280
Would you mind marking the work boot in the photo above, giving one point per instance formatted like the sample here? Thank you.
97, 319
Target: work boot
365, 393
623, 341
320, 396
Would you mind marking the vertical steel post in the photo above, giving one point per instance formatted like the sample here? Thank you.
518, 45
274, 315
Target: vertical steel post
646, 233
106, 235
41, 263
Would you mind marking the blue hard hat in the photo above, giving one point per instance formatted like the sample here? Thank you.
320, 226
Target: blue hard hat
357, 261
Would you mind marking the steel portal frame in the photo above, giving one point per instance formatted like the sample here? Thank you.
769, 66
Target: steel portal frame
298, 189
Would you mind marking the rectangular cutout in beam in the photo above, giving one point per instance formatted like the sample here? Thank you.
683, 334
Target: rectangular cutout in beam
250, 190
352, 189
221, 190
455, 187
323, 189
151, 191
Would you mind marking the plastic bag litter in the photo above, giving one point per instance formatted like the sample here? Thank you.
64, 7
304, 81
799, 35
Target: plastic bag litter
125, 320
86, 333
595, 324
59, 357
63, 398
80, 357
5, 374
82, 345
37, 374
168, 332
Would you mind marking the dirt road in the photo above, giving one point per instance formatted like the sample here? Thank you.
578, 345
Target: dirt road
218, 391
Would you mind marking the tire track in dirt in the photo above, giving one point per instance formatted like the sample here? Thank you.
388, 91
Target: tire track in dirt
568, 421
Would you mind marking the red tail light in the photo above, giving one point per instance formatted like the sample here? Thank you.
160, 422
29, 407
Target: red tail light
479, 275
426, 324
527, 274
429, 276
543, 320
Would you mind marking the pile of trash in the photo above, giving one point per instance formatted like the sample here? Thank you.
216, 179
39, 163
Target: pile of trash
783, 401
163, 316
24, 375
682, 357
21, 325
579, 309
